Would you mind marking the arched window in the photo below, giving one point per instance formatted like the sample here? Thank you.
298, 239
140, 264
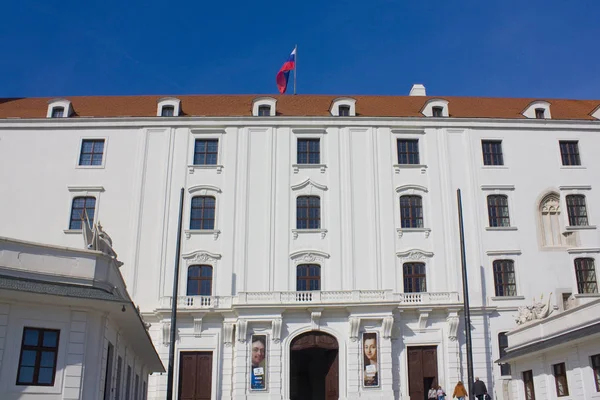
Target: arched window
308, 277
504, 278
411, 211
82, 208
577, 210
308, 212
203, 213
414, 278
585, 272
550, 221
498, 210
264, 111
199, 282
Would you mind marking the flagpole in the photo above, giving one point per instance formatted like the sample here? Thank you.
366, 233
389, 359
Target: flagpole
295, 66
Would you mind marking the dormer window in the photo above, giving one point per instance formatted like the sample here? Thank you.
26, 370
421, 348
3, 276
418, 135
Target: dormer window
168, 107
343, 107
58, 112
167, 111
264, 107
540, 113
437, 111
435, 108
344, 111
264, 111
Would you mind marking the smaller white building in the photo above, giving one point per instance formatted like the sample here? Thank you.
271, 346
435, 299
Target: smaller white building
558, 356
68, 328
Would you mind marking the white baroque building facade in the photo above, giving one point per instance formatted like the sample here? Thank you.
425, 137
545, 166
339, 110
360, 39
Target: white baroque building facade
320, 253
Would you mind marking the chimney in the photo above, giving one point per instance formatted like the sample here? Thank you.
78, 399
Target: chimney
417, 90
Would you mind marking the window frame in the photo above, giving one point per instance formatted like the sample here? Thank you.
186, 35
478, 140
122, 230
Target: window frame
414, 278
408, 153
94, 141
82, 139
575, 216
540, 113
308, 279
487, 149
165, 108
589, 272
38, 349
525, 376
560, 376
56, 110
264, 110
85, 200
502, 346
308, 151
108, 371
411, 222
309, 134
498, 218
202, 219
572, 159
595, 364
199, 279
206, 153
344, 110
437, 111
206, 134
308, 218
504, 274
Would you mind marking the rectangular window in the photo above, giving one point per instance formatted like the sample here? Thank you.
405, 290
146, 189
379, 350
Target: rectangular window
167, 111
309, 151
504, 278
264, 111
205, 151
128, 384
308, 212
411, 211
502, 345
92, 151
108, 372
308, 277
492, 152
560, 379
344, 111
58, 112
569, 152
202, 215
414, 278
577, 210
540, 113
437, 112
408, 151
528, 385
118, 383
82, 208
498, 211
596, 368
39, 351
585, 273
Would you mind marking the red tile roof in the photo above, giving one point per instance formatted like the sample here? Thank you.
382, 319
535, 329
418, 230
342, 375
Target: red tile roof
299, 105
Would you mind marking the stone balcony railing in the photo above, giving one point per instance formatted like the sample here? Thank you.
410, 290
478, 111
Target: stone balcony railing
317, 297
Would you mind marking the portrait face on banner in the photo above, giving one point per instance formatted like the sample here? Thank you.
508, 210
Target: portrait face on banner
258, 363
370, 357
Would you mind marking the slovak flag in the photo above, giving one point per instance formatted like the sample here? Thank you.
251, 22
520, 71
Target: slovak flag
284, 72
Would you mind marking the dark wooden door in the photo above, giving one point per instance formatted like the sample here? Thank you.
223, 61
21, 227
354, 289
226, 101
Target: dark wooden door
422, 369
195, 375
332, 379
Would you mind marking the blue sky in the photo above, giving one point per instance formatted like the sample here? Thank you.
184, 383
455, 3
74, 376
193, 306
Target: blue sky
524, 48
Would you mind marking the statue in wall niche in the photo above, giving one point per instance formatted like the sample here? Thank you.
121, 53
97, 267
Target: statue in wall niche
537, 310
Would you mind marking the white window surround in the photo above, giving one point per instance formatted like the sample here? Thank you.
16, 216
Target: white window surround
574, 253
199, 257
504, 158
101, 166
410, 134
410, 256
264, 101
307, 257
64, 103
577, 190
202, 190
559, 156
168, 101
495, 255
529, 111
82, 191
505, 190
413, 190
343, 101
202, 133
308, 188
309, 133
427, 109
596, 113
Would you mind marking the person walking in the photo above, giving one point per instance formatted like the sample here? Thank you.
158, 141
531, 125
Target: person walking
479, 389
459, 391
432, 394
440, 393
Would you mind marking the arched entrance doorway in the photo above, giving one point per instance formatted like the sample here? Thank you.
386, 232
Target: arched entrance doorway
314, 369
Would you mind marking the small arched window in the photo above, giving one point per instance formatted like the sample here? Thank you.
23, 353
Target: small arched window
585, 272
308, 277
550, 221
504, 278
199, 281
167, 111
264, 111
344, 111
498, 210
58, 112
82, 208
308, 212
414, 277
577, 210
203, 213
411, 211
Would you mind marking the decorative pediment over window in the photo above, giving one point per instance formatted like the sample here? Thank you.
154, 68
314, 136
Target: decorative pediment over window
309, 256
411, 189
261, 104
59, 108
309, 187
437, 106
168, 107
202, 190
201, 257
414, 255
539, 109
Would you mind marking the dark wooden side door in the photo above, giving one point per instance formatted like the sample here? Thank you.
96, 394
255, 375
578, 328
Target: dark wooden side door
332, 379
195, 375
422, 367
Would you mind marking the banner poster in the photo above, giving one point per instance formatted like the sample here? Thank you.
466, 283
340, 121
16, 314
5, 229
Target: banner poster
370, 364
258, 367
